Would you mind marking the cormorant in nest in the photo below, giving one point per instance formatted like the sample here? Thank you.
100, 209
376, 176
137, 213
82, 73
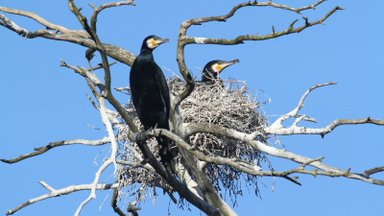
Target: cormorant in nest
150, 95
213, 68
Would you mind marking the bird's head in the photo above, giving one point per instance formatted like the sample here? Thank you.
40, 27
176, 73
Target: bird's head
153, 41
213, 68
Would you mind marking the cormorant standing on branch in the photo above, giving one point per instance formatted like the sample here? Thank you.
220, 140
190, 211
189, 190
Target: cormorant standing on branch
150, 95
213, 68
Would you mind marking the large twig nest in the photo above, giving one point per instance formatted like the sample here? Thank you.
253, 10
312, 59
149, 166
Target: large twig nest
224, 103
228, 104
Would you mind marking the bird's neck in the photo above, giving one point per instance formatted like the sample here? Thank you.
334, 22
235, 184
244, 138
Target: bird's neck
146, 52
145, 49
146, 55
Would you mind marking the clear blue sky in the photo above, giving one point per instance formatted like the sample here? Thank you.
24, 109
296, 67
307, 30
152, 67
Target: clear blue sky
42, 102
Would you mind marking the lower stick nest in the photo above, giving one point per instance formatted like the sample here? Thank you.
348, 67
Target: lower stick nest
226, 103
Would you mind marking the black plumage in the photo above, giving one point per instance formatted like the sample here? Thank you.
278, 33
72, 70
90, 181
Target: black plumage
213, 68
150, 94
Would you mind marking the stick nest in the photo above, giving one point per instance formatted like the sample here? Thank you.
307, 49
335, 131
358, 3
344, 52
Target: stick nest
225, 103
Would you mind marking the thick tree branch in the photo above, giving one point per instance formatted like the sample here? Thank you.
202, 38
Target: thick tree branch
56, 32
181, 188
40, 20
236, 163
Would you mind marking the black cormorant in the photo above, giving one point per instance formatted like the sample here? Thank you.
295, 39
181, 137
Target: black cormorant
150, 95
213, 68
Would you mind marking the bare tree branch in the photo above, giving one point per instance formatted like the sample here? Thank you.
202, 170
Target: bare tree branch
40, 20
372, 171
236, 163
94, 184
293, 113
249, 139
114, 202
59, 192
285, 7
104, 91
102, 7
276, 128
241, 38
184, 40
62, 34
223, 18
322, 131
51, 145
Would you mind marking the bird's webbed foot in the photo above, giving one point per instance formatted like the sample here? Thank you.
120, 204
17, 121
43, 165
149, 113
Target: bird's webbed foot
145, 161
141, 137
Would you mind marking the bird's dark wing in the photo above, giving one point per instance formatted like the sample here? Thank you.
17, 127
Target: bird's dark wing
163, 87
133, 82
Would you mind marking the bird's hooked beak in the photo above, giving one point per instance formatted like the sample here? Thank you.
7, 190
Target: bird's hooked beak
225, 64
157, 42
154, 42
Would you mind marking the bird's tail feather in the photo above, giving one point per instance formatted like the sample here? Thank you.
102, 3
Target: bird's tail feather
168, 153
